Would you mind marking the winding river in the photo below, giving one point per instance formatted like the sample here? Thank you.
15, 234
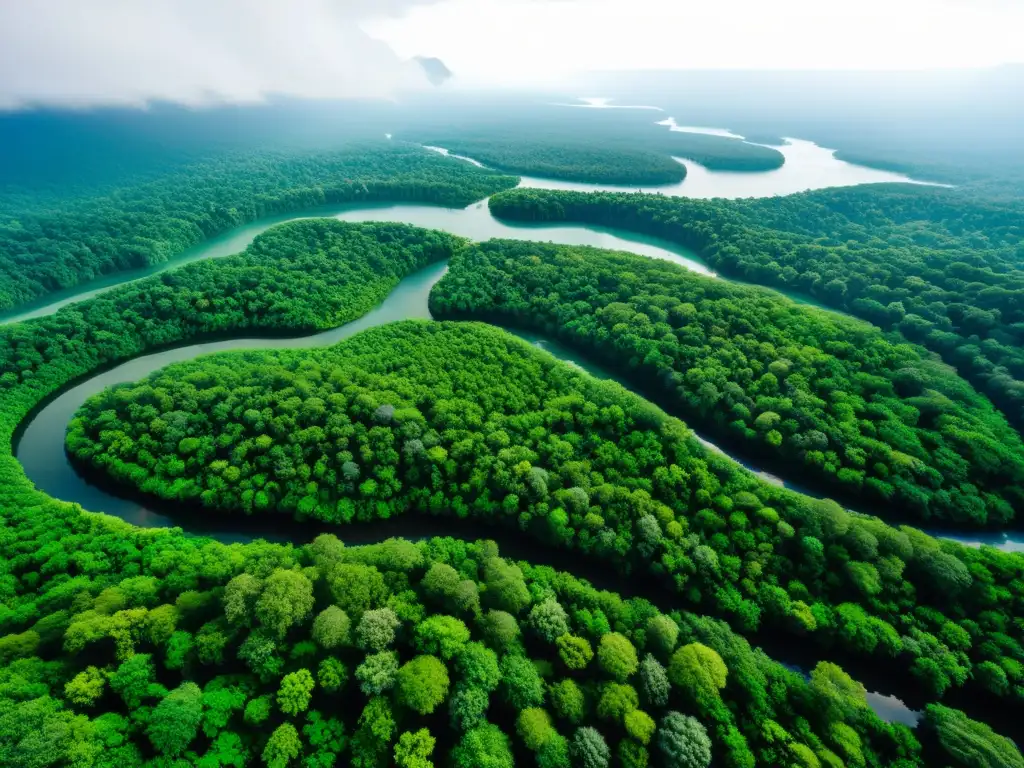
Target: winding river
39, 445
41, 451
807, 166
42, 437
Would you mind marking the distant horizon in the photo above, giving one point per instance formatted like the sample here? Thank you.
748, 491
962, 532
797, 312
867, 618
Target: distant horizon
198, 52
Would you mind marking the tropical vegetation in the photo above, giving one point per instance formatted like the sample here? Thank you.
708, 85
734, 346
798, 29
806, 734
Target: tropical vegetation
465, 420
124, 646
939, 266
67, 242
870, 418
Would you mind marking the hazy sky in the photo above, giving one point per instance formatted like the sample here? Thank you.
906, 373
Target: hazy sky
492, 40
87, 52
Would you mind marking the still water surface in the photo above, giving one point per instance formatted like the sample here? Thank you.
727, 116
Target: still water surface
807, 167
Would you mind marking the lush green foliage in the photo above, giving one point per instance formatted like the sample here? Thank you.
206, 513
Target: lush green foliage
75, 241
315, 273
463, 419
594, 146
970, 743
940, 266
230, 705
870, 418
121, 646
568, 160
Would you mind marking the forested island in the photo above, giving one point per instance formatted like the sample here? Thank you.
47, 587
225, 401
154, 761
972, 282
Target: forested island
124, 646
873, 419
570, 161
940, 267
559, 143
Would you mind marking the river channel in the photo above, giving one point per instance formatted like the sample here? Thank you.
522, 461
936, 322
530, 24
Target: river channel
40, 443
41, 452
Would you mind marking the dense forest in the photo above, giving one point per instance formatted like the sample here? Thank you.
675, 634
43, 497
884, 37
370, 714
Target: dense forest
463, 419
123, 646
60, 567
939, 266
570, 161
609, 148
874, 421
138, 225
396, 654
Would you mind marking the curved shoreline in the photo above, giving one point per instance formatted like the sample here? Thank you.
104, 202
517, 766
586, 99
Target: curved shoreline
39, 441
475, 222
725, 183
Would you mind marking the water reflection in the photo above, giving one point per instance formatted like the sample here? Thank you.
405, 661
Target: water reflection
891, 709
673, 126
594, 102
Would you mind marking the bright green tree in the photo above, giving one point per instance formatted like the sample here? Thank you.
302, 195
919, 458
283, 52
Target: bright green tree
617, 656
844, 696
568, 701
970, 743
534, 727
500, 628
86, 688
506, 587
287, 599
283, 746
422, 684
640, 725
133, 680
483, 747
442, 635
698, 670
332, 674
521, 684
413, 749
331, 628
477, 664
617, 701
295, 692
575, 652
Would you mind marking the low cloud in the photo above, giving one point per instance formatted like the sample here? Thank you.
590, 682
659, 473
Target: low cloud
117, 52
